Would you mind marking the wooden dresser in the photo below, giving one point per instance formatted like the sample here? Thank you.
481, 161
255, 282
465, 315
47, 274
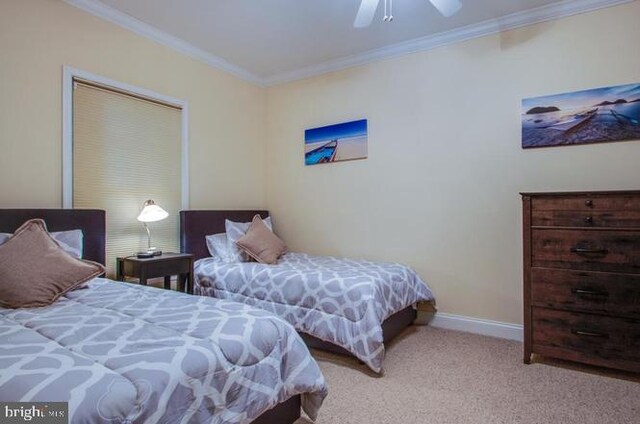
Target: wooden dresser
582, 277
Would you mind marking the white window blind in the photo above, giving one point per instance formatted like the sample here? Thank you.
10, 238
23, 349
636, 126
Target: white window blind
126, 150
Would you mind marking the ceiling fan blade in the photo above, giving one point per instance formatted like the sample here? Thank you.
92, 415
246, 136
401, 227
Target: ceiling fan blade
366, 13
447, 7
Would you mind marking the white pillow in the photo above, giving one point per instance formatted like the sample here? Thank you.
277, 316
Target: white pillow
70, 241
235, 230
217, 245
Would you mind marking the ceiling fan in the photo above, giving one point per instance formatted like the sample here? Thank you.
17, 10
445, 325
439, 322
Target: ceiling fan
368, 10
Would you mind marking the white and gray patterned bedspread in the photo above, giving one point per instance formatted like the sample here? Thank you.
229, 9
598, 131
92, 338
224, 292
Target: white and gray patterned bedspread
123, 353
342, 301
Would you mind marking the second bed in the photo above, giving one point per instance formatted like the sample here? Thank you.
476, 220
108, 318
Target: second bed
341, 305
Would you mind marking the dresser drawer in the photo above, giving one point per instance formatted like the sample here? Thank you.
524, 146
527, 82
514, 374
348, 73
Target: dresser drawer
607, 338
585, 203
586, 218
597, 210
597, 292
593, 250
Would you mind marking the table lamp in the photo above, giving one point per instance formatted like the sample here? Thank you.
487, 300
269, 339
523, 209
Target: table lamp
151, 213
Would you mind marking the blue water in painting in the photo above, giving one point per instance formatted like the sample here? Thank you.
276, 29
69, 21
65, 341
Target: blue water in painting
630, 111
337, 131
318, 155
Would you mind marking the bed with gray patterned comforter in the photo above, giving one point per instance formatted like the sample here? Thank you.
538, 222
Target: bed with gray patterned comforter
342, 301
123, 353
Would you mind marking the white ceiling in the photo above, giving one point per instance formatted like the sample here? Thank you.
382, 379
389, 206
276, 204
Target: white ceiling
273, 40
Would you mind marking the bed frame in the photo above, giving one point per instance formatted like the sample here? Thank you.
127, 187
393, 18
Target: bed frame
92, 222
196, 224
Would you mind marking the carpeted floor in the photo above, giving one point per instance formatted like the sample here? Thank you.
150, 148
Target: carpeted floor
439, 376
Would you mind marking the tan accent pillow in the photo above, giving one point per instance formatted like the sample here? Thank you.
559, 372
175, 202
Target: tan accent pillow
261, 244
35, 270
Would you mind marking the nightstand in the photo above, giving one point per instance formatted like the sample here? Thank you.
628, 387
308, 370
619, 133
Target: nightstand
165, 265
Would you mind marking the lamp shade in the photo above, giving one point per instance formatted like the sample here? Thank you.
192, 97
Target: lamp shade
152, 212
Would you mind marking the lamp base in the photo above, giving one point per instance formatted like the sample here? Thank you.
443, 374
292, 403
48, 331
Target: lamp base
149, 254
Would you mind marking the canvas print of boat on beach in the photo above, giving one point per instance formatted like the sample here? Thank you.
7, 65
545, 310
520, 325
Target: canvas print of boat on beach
334, 143
588, 116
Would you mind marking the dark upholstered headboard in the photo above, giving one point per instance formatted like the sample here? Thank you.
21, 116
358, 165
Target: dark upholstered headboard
90, 221
195, 225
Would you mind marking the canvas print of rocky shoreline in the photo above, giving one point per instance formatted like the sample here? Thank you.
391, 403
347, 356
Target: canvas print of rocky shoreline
588, 116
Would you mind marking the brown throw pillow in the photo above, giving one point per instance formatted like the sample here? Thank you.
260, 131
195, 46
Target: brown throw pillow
35, 270
261, 244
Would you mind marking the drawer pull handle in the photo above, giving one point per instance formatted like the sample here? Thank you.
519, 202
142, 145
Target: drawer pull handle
588, 292
588, 220
589, 334
588, 203
584, 250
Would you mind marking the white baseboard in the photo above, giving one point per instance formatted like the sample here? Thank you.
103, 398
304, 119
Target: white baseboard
503, 330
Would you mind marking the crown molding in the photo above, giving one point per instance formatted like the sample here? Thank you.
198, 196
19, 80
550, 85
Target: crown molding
114, 16
515, 20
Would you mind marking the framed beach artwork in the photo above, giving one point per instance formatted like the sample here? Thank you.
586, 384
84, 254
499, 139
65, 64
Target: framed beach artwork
335, 143
588, 116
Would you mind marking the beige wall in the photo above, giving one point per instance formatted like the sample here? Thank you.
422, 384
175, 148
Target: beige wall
38, 37
439, 190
